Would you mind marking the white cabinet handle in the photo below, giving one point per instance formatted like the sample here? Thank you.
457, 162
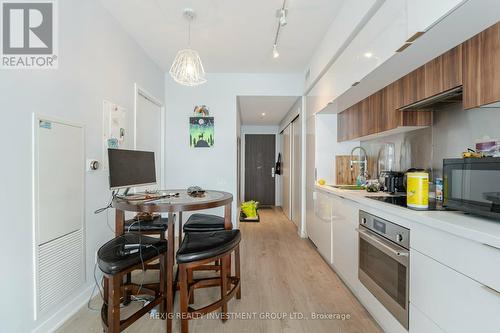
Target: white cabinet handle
491, 290
492, 246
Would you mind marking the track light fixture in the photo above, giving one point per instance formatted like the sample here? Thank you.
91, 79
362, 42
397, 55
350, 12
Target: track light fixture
281, 14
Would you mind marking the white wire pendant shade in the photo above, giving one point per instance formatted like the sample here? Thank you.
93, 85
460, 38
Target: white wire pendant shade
187, 68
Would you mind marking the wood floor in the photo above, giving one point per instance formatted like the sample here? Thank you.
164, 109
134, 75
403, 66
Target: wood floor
281, 273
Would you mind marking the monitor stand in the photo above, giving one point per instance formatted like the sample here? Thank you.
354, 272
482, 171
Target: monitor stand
126, 192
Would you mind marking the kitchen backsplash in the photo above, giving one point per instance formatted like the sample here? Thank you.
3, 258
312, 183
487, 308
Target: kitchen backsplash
454, 130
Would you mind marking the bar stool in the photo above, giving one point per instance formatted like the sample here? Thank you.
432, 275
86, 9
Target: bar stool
115, 263
198, 249
199, 222
157, 226
203, 223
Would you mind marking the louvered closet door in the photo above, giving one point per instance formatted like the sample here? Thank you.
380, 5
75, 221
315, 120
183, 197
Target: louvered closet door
59, 212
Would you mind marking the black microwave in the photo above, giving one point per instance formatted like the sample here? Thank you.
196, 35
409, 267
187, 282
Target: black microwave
472, 185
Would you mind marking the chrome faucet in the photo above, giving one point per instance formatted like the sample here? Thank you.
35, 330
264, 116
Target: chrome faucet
363, 163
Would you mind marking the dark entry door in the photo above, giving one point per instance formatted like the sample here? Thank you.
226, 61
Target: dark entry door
259, 168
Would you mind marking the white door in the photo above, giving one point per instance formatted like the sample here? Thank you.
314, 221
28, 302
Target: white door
296, 171
149, 132
286, 171
59, 178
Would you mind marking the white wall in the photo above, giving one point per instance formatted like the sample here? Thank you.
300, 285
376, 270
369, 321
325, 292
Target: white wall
214, 168
98, 61
291, 114
327, 146
250, 129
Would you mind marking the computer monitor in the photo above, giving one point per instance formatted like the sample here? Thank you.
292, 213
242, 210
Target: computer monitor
128, 168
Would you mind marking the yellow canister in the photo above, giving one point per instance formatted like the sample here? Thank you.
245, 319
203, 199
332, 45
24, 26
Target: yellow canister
417, 190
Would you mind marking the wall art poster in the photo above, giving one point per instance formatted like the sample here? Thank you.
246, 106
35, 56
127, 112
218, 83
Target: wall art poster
201, 132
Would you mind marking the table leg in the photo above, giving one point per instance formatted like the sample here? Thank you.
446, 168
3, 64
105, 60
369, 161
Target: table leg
180, 229
119, 222
170, 269
227, 217
119, 230
176, 280
228, 226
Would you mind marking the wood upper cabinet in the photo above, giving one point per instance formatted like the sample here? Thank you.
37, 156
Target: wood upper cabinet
443, 73
481, 68
475, 64
348, 123
413, 86
341, 126
452, 74
391, 102
378, 113
437, 76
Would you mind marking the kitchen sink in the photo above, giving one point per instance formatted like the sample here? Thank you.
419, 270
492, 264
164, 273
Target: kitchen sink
348, 187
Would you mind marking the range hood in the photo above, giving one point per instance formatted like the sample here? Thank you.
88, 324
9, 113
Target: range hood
450, 96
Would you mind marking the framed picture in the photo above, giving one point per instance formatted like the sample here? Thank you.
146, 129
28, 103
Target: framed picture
201, 132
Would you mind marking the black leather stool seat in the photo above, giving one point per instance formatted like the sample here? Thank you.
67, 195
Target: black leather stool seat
112, 261
203, 223
203, 245
157, 224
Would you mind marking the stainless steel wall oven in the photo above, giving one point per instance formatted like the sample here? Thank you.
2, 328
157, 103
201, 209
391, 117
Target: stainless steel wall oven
384, 263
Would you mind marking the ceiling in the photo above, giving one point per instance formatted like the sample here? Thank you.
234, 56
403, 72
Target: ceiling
231, 36
274, 107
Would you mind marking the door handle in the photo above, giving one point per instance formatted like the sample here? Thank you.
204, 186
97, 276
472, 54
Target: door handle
380, 244
491, 246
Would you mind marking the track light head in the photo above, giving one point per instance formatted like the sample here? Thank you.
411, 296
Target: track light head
281, 15
276, 54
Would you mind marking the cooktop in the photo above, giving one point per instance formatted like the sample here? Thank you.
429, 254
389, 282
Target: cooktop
400, 200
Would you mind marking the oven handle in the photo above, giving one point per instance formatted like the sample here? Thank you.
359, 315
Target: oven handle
399, 254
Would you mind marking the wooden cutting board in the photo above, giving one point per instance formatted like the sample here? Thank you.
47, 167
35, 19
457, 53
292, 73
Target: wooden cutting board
344, 175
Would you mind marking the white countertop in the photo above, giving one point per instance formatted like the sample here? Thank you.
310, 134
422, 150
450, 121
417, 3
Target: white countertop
475, 228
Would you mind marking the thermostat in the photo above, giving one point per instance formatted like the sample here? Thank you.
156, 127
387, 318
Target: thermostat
92, 165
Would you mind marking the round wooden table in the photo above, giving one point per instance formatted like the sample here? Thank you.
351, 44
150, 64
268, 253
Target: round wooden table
171, 205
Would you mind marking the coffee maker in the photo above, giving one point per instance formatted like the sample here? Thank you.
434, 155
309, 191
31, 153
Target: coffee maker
392, 181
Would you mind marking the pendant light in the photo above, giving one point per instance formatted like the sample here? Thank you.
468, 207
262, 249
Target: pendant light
187, 68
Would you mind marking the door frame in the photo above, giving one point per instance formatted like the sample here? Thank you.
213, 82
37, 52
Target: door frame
138, 90
243, 155
259, 129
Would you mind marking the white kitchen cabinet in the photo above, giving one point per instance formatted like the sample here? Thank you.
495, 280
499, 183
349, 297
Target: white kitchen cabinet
347, 18
476, 260
345, 215
422, 14
420, 323
453, 301
377, 41
320, 230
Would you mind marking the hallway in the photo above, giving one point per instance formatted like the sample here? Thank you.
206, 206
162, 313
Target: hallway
282, 274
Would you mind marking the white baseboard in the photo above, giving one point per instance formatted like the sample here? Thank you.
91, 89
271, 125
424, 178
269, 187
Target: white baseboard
65, 312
